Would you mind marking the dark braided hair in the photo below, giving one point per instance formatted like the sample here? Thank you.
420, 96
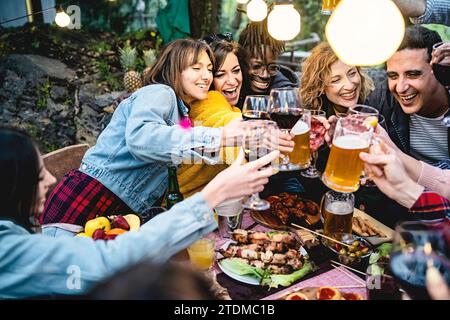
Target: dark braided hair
255, 38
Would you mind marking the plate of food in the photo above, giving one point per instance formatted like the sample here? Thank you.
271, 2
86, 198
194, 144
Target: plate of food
286, 208
264, 258
321, 293
366, 226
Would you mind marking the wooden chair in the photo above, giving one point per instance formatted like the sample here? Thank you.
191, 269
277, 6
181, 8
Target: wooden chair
61, 161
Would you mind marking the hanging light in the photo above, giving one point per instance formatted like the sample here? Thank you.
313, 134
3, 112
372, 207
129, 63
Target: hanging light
62, 19
283, 21
365, 32
242, 1
256, 10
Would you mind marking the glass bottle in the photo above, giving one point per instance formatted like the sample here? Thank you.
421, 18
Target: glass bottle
173, 193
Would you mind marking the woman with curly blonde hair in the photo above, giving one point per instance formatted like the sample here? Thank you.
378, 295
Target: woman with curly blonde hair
331, 85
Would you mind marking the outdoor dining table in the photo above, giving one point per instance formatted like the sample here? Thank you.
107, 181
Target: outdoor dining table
325, 274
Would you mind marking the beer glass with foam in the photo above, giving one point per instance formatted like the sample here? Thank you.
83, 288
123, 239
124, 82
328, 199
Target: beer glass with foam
328, 6
337, 212
353, 135
285, 108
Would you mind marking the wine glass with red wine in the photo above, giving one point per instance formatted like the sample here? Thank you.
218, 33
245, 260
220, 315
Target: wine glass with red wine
260, 138
418, 246
255, 107
286, 110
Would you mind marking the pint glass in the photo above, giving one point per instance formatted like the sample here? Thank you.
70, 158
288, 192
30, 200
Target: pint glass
301, 154
337, 212
353, 135
328, 6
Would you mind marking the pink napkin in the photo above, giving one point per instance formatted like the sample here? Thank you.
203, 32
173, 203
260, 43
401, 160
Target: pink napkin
335, 278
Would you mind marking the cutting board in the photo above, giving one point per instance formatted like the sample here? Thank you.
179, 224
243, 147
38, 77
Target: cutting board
385, 229
269, 220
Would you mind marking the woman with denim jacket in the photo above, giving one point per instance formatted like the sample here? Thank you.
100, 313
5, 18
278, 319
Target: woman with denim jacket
35, 265
126, 171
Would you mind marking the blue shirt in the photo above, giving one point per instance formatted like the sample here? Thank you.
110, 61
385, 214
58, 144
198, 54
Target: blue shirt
143, 138
38, 265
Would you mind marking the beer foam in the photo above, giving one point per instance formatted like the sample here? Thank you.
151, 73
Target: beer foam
300, 128
339, 208
351, 142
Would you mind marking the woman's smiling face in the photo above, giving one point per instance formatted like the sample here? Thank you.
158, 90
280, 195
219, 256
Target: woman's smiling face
344, 85
228, 79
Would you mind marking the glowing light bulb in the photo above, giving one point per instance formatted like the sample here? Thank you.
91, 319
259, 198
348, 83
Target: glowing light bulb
365, 32
242, 1
256, 10
62, 19
284, 22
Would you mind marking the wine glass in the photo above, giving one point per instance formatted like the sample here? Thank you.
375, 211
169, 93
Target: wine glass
316, 138
260, 138
255, 107
417, 247
285, 109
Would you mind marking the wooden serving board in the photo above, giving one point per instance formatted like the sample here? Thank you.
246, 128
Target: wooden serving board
385, 229
269, 220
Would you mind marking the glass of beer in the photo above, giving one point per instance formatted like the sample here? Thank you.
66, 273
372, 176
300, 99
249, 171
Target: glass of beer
255, 108
344, 167
260, 138
328, 6
286, 110
337, 212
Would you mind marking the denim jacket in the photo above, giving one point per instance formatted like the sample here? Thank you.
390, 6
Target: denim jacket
143, 138
33, 265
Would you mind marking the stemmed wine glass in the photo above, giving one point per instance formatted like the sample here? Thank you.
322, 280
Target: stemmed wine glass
255, 107
316, 138
260, 138
417, 247
285, 109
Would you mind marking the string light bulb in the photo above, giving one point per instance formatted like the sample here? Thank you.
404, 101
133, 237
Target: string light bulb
283, 22
242, 1
365, 32
62, 19
257, 10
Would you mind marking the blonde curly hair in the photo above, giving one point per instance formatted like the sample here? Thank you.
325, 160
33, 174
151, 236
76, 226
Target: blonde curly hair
316, 72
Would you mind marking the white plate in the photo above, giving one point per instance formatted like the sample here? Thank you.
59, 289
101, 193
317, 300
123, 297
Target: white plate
243, 278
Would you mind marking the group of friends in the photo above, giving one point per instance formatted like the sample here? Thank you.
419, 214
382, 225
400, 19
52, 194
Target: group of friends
206, 81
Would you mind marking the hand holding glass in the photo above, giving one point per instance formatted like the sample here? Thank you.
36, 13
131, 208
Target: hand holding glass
259, 140
343, 170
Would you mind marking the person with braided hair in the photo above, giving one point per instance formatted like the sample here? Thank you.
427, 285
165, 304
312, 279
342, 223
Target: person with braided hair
265, 73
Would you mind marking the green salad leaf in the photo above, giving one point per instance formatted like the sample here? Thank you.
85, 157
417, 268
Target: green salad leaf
241, 268
382, 251
264, 276
285, 280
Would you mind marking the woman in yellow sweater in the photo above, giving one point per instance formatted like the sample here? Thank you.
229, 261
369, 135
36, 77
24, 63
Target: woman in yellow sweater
230, 73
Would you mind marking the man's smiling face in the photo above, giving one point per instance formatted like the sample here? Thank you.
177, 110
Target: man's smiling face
411, 80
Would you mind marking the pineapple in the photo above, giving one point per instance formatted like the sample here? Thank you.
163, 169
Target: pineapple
149, 59
132, 79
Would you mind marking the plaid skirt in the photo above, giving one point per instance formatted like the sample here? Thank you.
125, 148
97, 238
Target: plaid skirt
78, 198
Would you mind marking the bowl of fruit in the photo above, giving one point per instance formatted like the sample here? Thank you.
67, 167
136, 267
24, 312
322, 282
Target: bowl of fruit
351, 251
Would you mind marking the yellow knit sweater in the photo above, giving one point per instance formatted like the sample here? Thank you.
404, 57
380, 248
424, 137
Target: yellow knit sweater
214, 111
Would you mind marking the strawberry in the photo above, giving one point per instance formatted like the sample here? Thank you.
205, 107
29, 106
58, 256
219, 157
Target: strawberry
120, 222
